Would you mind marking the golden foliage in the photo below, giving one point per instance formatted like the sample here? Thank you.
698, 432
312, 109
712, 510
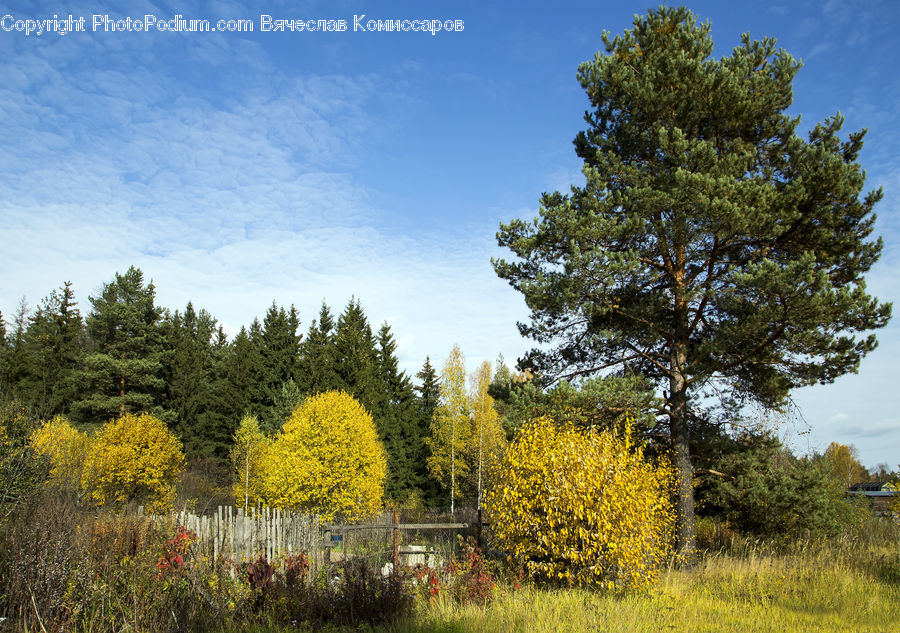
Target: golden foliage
582, 507
488, 439
451, 426
327, 459
133, 458
248, 457
65, 447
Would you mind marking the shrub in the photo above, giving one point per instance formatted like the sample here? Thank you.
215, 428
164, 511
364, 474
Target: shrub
327, 460
469, 580
767, 491
133, 458
581, 507
65, 447
21, 475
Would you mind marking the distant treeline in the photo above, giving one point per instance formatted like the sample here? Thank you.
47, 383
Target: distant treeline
130, 355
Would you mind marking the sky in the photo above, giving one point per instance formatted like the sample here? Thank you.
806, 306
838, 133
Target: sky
241, 168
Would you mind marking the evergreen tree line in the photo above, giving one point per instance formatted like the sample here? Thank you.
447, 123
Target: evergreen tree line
130, 355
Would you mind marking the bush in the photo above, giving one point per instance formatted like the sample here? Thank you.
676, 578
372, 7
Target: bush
581, 507
767, 491
65, 447
134, 458
21, 474
327, 460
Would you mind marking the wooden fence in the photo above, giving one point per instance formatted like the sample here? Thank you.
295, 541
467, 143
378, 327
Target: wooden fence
270, 532
232, 534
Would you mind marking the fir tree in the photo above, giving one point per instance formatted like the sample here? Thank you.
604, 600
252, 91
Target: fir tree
398, 421
241, 366
429, 392
288, 398
52, 350
316, 368
189, 383
356, 360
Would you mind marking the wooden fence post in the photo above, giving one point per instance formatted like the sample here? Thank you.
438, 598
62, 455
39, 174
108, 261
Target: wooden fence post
478, 530
396, 541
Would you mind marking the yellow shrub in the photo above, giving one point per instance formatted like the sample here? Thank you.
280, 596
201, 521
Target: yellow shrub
327, 459
66, 448
581, 507
133, 458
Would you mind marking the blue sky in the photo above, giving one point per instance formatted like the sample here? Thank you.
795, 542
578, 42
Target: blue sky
240, 168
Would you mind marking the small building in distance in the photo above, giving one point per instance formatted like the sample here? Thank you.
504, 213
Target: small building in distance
879, 493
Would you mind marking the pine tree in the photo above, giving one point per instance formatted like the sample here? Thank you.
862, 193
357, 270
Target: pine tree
125, 363
711, 245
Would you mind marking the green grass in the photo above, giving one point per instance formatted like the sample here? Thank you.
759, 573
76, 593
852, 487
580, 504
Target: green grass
815, 588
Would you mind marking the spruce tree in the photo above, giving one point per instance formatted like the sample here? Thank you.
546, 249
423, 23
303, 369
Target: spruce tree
356, 359
287, 399
189, 383
16, 365
711, 246
4, 349
398, 420
123, 369
316, 368
241, 368
429, 392
52, 349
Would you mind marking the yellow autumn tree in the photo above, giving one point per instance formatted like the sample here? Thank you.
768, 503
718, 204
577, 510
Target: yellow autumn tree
488, 440
66, 449
248, 456
133, 458
451, 427
581, 507
327, 459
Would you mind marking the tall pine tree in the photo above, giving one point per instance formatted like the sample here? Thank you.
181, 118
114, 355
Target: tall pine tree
711, 245
123, 369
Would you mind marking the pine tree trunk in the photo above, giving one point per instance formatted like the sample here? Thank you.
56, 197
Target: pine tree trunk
684, 472
678, 418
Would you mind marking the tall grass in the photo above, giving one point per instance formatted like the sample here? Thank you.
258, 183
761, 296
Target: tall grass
841, 585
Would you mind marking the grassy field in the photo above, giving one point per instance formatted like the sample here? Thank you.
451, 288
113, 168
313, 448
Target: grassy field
815, 588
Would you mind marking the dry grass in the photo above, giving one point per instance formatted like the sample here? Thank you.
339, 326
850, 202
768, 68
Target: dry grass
813, 587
